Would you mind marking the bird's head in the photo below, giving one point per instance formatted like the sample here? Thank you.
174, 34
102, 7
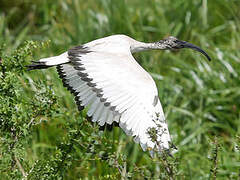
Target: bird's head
172, 43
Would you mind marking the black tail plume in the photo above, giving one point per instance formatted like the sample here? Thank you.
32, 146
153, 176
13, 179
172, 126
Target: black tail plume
37, 65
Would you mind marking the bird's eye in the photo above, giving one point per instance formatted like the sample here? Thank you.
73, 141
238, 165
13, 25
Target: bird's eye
177, 41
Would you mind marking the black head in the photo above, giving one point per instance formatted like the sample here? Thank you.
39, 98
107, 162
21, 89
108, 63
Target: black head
174, 43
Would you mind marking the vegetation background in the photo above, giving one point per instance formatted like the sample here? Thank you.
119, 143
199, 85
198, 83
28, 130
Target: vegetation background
42, 134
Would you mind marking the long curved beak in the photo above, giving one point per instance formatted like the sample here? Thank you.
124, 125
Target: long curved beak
184, 44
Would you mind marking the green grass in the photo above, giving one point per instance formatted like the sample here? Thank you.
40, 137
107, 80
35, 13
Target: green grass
44, 136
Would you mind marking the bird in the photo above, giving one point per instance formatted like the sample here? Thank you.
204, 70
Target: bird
104, 77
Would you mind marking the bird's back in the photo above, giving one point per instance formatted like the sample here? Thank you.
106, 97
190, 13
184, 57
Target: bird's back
116, 59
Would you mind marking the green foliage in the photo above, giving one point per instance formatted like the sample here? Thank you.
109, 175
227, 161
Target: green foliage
43, 136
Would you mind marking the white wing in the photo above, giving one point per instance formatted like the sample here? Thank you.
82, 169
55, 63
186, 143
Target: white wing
116, 88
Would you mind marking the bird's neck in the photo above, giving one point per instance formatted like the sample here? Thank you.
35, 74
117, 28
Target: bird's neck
141, 46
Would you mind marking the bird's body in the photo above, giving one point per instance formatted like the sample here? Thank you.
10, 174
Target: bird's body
104, 76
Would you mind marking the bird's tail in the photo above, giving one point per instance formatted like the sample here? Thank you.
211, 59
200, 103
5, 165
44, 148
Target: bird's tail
49, 62
37, 65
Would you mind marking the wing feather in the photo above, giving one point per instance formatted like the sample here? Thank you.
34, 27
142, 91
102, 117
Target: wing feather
103, 116
89, 99
93, 107
97, 113
109, 119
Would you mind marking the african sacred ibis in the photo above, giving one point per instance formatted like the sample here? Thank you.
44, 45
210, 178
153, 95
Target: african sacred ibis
104, 76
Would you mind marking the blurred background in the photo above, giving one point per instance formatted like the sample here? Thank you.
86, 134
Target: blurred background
43, 136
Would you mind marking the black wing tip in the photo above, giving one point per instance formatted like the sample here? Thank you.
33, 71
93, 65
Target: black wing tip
109, 127
78, 50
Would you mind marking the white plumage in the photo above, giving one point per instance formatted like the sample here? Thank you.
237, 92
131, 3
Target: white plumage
104, 75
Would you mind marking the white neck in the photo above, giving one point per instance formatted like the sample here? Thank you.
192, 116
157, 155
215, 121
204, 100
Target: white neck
141, 46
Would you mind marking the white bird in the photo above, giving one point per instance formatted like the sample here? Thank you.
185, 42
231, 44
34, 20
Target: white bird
104, 76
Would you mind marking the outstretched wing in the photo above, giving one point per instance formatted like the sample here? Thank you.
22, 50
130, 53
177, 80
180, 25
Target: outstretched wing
116, 88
